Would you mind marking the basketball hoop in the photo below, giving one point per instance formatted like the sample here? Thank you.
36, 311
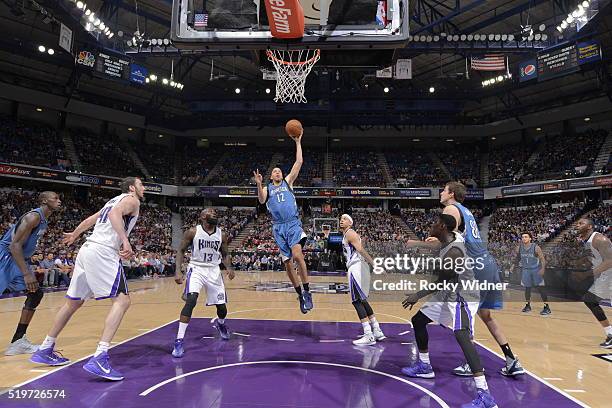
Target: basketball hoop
293, 66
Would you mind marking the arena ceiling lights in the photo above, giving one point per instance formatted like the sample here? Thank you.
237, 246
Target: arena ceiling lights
527, 35
153, 79
92, 22
576, 16
497, 80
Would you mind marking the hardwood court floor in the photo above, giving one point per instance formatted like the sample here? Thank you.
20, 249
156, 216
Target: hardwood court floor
557, 348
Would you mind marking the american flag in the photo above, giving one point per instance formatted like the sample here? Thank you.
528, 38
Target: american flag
489, 62
201, 20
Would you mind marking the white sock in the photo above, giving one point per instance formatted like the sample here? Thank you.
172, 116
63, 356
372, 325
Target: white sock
221, 321
374, 323
48, 343
181, 330
481, 383
608, 330
102, 347
424, 357
366, 328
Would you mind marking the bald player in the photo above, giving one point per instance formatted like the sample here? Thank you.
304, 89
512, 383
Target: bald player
357, 261
208, 249
286, 224
601, 261
16, 247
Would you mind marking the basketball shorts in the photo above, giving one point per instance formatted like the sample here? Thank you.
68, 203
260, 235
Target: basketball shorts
489, 272
359, 281
531, 278
602, 287
208, 277
448, 313
98, 273
11, 277
286, 235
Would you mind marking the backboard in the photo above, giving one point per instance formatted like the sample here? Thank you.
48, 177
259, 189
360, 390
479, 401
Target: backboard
329, 24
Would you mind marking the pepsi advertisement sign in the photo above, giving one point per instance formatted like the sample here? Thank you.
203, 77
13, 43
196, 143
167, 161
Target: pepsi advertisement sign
528, 70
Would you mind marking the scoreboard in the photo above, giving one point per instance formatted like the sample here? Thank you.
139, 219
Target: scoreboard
557, 62
113, 67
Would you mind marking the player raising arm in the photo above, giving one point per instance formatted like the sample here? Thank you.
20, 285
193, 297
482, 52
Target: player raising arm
286, 224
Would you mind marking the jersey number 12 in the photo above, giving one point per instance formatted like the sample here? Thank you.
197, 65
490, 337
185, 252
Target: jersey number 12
280, 197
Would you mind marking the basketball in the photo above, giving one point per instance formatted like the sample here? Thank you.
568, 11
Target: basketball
293, 128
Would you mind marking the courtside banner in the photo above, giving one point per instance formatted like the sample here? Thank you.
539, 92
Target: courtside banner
41, 173
286, 18
560, 185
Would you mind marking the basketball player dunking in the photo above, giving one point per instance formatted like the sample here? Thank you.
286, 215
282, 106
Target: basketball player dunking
452, 198
98, 273
358, 276
208, 246
451, 308
286, 225
16, 247
601, 261
533, 265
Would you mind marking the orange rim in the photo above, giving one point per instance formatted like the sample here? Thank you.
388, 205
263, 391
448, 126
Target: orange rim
283, 62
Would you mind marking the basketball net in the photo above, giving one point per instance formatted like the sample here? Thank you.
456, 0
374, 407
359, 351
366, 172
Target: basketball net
293, 66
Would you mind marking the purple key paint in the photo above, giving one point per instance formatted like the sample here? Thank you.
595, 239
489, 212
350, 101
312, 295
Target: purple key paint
316, 369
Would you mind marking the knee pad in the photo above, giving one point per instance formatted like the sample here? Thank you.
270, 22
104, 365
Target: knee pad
33, 300
191, 300
597, 311
221, 311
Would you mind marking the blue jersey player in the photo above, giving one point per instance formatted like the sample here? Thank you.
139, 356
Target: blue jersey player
486, 270
286, 225
533, 265
16, 247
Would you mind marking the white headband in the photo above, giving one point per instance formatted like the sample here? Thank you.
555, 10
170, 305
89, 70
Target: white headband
347, 216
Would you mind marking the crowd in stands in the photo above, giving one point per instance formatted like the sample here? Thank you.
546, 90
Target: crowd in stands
238, 166
462, 162
53, 262
544, 222
602, 219
505, 162
558, 156
103, 155
197, 163
158, 160
311, 172
419, 221
357, 167
231, 221
27, 142
414, 169
566, 156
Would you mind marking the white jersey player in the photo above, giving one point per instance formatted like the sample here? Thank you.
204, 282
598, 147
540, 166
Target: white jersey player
358, 275
601, 261
208, 248
98, 273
